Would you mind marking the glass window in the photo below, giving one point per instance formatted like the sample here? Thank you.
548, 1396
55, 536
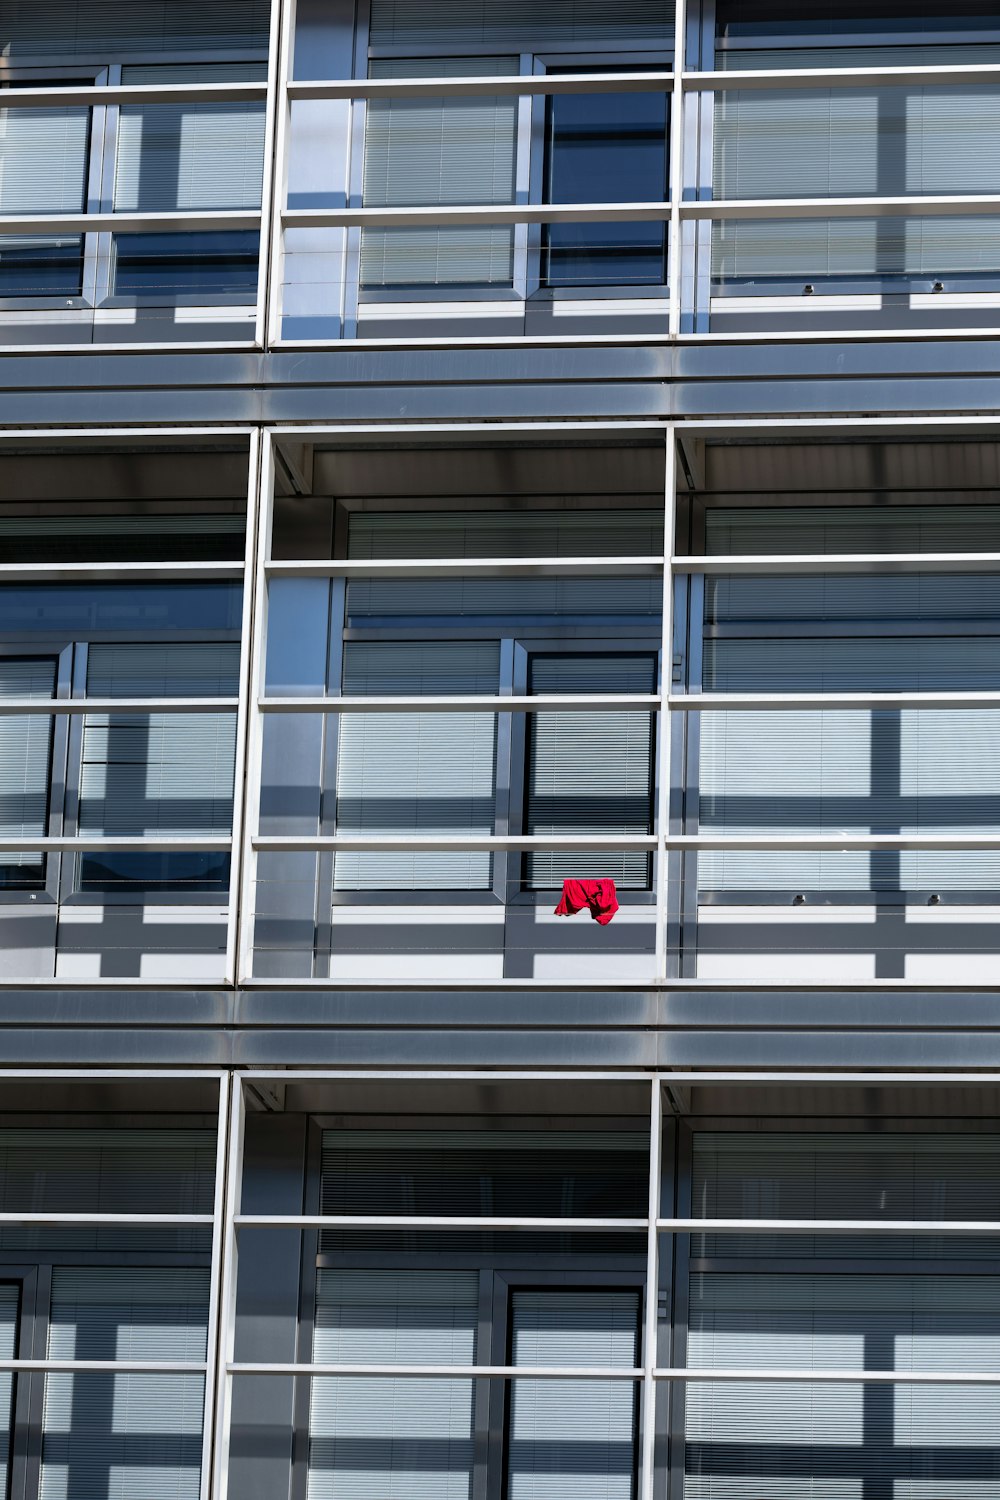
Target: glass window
605, 148
590, 772
25, 767
165, 773
569, 1439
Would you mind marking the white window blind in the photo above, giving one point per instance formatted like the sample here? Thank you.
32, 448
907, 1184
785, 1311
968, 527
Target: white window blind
523, 24
25, 762
854, 143
847, 1175
590, 772
573, 1439
417, 772
194, 155
841, 1440
9, 1307
159, 772
386, 1438
125, 1436
830, 771
423, 152
515, 533
510, 597
107, 29
43, 159
767, 530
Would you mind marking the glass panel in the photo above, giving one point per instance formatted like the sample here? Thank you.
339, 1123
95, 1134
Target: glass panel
166, 773
25, 767
127, 1436
573, 1439
590, 772
605, 148
406, 1438
220, 263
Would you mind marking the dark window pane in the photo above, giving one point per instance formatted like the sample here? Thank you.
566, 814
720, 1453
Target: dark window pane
210, 264
31, 267
605, 148
151, 872
78, 609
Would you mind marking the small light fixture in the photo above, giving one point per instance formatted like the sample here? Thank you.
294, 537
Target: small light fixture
799, 900
938, 286
808, 289
934, 899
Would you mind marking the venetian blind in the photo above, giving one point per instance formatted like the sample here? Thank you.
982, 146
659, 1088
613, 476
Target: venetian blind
590, 772
9, 1308
43, 159
193, 155
850, 771
108, 29
159, 772
573, 1438
423, 152
844, 1175
516, 533
854, 143
417, 772
941, 1439
25, 762
522, 24
829, 1440
125, 1436
393, 1438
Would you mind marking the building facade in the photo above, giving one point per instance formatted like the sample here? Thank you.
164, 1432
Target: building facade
448, 447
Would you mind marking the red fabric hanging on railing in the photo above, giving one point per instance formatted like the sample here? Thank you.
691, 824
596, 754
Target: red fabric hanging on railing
598, 895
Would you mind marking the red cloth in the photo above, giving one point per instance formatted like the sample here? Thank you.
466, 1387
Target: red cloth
599, 895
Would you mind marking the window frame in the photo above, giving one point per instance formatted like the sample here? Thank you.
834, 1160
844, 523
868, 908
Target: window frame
99, 247
530, 152
61, 883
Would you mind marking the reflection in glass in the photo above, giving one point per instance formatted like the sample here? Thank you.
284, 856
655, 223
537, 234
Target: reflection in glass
605, 148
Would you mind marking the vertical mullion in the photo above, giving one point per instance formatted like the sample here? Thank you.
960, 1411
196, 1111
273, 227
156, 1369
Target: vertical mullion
227, 1298
646, 1472
244, 713
215, 1286
256, 583
275, 185
663, 759
676, 168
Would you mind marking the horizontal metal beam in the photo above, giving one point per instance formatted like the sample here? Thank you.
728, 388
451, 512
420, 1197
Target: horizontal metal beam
957, 842
844, 843
779, 702
131, 223
479, 213
517, 84
445, 1372
116, 1221
692, 1374
543, 703
119, 572
828, 1226
843, 562
468, 567
841, 78
432, 1221
831, 1377
61, 95
909, 206
445, 843
106, 1366
86, 844
17, 706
